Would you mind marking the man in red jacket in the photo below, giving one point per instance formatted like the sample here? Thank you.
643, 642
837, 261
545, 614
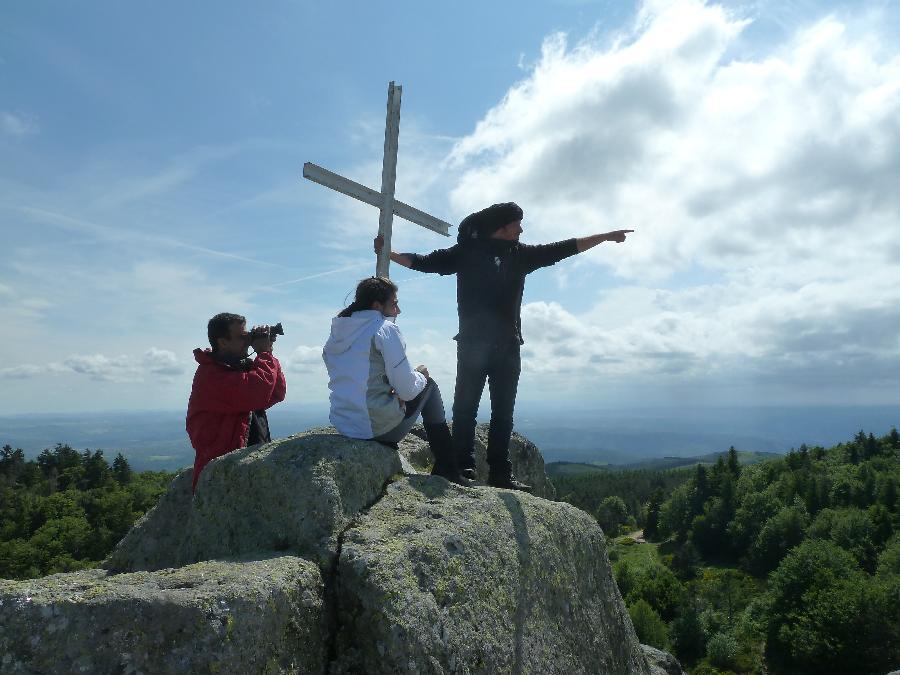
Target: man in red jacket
231, 393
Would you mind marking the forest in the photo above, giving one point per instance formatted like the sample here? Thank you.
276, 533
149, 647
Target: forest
790, 565
65, 510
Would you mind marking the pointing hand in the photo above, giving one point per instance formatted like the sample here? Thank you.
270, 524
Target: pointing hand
617, 236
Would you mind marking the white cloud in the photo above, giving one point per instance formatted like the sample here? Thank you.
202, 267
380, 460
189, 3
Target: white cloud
770, 180
22, 372
154, 362
17, 125
714, 161
99, 366
306, 359
162, 362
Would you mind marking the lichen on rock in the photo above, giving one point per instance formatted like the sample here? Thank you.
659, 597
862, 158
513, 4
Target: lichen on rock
315, 553
438, 578
294, 495
527, 461
215, 616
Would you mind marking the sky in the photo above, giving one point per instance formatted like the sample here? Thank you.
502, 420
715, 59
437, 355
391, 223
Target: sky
151, 176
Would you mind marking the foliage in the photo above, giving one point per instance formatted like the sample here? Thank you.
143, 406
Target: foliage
825, 614
651, 581
722, 650
611, 514
889, 560
588, 490
66, 510
650, 628
787, 566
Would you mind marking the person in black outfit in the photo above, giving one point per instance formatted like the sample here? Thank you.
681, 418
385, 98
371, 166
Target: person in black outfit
490, 266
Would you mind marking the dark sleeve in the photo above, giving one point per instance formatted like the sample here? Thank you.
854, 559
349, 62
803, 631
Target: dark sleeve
544, 255
442, 261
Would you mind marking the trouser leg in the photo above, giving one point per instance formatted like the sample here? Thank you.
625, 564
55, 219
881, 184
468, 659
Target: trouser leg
414, 408
433, 407
503, 379
438, 434
471, 371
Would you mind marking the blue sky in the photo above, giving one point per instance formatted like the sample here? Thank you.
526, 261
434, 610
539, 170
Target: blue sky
150, 176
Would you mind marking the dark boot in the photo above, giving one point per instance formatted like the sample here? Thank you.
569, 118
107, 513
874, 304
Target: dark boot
508, 482
445, 464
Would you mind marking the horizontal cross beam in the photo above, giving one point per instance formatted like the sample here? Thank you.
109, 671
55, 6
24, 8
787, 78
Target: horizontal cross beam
317, 174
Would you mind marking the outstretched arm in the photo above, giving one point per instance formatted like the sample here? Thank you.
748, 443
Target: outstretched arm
398, 258
442, 261
584, 243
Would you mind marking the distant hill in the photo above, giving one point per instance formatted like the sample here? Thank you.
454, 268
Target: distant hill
156, 440
655, 464
151, 440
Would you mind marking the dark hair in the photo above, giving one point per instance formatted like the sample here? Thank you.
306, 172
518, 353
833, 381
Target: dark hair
220, 327
373, 289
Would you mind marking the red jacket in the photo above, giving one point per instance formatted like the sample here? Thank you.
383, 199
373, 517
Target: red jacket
218, 415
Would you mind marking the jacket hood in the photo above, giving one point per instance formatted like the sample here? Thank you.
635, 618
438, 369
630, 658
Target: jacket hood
206, 357
346, 330
203, 356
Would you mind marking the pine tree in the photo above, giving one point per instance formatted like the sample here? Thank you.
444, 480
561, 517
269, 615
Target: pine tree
734, 466
121, 469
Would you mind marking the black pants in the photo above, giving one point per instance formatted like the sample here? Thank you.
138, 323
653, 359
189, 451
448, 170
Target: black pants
500, 365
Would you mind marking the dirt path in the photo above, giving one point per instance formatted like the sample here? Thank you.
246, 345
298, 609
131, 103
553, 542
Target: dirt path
638, 536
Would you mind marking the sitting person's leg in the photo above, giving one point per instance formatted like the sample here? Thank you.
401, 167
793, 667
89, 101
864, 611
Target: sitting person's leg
414, 408
430, 406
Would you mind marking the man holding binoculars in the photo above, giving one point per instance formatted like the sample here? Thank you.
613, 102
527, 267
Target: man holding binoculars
231, 392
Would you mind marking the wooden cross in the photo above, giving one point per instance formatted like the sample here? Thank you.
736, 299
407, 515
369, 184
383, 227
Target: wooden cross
383, 200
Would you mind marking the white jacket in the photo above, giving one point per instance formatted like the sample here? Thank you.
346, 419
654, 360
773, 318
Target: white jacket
366, 359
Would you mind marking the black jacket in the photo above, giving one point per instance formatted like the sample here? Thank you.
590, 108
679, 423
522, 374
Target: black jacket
490, 278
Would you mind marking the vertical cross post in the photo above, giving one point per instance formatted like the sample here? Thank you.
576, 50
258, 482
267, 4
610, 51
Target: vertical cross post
389, 177
384, 201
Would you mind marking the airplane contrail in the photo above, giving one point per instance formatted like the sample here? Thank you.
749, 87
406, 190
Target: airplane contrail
113, 234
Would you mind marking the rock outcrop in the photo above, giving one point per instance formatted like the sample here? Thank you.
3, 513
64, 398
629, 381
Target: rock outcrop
210, 617
527, 461
292, 495
316, 554
441, 579
660, 662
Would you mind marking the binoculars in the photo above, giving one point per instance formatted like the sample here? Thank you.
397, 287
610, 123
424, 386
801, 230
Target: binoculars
270, 333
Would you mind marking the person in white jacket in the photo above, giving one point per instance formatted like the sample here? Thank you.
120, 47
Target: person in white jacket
375, 392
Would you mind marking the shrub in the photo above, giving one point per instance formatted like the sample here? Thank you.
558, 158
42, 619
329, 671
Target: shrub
650, 628
722, 650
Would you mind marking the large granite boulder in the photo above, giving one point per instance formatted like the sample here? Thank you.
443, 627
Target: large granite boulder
436, 578
527, 461
660, 662
293, 495
379, 572
210, 617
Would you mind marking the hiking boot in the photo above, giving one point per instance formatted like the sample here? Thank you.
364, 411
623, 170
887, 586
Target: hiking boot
452, 476
469, 474
508, 482
444, 460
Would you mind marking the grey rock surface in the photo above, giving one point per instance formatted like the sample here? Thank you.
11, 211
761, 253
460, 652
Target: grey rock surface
660, 662
437, 579
293, 495
527, 461
211, 617
386, 573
